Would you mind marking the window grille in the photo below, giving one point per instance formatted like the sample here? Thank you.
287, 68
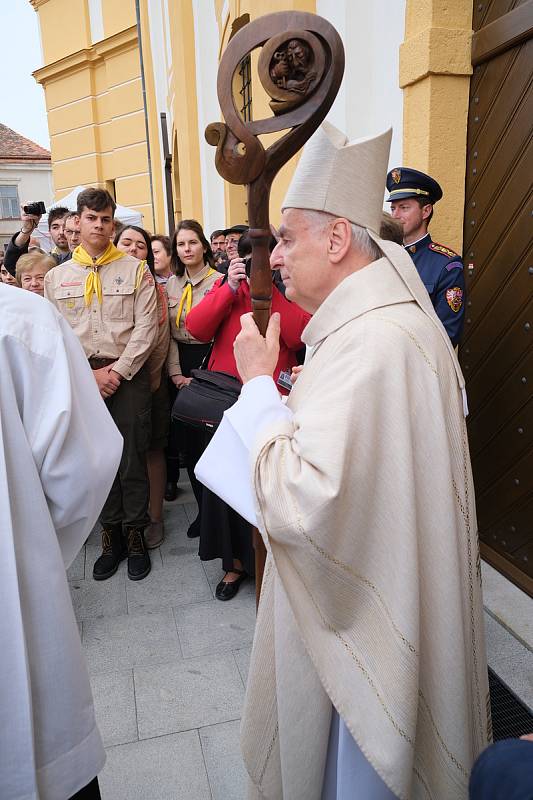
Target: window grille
9, 202
245, 72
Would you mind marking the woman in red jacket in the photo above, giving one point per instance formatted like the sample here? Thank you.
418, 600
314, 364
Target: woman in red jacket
223, 533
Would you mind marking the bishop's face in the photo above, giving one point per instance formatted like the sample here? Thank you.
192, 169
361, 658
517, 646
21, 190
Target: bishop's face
301, 257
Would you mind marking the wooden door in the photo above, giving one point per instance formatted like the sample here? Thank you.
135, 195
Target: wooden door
497, 347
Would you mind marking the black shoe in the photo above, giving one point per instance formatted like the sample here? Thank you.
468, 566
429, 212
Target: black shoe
113, 552
193, 530
171, 491
226, 590
138, 559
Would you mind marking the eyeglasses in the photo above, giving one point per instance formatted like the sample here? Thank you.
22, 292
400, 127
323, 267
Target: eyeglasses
30, 278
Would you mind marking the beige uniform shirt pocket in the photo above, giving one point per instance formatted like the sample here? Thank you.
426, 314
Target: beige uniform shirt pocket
70, 301
117, 302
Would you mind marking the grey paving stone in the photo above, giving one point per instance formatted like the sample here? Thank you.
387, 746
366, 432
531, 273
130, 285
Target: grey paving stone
191, 508
92, 598
215, 626
95, 536
510, 660
166, 768
130, 640
175, 518
188, 694
170, 586
114, 704
76, 571
242, 657
223, 759
512, 607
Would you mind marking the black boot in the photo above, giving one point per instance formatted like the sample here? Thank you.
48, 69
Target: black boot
138, 559
113, 552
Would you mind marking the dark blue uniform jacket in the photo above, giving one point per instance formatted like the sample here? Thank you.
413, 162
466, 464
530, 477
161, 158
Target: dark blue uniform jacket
441, 271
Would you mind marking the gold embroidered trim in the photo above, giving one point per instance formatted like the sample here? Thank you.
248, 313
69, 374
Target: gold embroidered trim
413, 339
269, 753
450, 755
422, 781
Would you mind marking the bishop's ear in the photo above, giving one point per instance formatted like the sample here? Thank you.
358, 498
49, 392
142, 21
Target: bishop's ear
339, 239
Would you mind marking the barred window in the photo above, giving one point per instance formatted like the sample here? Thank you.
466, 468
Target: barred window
9, 202
245, 91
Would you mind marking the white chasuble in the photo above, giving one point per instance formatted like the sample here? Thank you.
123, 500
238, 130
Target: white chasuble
59, 452
365, 500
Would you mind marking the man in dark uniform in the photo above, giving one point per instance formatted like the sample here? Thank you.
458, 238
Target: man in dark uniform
412, 195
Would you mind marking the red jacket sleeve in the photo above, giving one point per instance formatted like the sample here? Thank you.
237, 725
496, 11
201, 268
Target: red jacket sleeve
293, 319
204, 320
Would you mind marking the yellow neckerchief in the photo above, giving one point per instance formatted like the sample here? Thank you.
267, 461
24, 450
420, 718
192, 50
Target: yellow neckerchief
186, 297
92, 281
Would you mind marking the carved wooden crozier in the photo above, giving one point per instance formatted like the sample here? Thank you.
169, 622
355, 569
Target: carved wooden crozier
301, 65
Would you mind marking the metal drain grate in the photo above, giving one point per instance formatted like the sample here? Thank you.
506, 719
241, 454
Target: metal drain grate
510, 717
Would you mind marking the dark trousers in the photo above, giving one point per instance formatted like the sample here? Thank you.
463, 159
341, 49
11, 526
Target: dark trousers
182, 437
131, 409
89, 792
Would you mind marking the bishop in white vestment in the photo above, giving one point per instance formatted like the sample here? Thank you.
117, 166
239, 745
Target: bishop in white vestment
59, 452
368, 676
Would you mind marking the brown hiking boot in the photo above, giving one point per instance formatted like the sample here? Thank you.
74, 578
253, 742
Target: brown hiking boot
138, 559
113, 552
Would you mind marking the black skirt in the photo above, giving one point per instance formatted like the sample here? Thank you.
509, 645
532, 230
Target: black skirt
224, 534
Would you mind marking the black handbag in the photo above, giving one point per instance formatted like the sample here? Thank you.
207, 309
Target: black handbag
202, 402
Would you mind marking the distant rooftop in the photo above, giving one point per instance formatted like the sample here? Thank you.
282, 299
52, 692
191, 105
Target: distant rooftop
15, 147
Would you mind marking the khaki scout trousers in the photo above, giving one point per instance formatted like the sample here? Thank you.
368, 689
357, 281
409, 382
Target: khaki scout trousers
131, 408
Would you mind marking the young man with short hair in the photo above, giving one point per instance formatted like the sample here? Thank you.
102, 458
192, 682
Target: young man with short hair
56, 226
412, 195
109, 300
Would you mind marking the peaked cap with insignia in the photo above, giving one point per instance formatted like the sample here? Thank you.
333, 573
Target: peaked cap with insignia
403, 182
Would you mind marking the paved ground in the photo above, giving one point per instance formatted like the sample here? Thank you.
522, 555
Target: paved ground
168, 666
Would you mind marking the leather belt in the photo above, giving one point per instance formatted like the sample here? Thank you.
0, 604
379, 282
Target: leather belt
100, 363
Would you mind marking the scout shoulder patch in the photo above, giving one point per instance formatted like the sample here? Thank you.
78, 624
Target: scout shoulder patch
454, 298
445, 251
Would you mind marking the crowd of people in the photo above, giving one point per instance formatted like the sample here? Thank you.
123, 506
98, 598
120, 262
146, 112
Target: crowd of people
356, 686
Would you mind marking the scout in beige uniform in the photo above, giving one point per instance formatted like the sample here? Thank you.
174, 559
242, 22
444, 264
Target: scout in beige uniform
192, 261
110, 302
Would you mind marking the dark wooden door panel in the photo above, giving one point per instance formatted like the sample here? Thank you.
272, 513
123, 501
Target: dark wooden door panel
506, 446
497, 348
503, 361
511, 489
513, 532
506, 400
492, 317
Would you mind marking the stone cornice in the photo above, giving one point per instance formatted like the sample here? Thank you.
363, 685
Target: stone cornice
81, 59
435, 51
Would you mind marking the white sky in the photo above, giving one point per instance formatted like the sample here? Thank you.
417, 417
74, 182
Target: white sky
22, 105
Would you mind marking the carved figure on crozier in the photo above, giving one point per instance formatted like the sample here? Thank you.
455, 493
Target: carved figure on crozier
291, 67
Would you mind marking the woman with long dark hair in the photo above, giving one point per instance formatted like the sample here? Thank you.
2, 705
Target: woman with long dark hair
136, 242
192, 263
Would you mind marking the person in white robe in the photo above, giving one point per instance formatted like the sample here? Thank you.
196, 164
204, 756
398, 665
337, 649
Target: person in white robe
368, 675
59, 452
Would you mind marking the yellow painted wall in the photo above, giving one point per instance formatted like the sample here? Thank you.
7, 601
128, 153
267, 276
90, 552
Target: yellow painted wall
94, 101
182, 95
435, 69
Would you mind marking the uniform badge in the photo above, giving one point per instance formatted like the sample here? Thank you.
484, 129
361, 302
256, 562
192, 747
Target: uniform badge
412, 249
454, 298
118, 280
396, 175
445, 251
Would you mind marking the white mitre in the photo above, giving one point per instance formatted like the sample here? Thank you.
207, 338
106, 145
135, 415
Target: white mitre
341, 177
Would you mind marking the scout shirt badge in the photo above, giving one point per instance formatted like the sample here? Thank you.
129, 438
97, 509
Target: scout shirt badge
454, 298
396, 175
